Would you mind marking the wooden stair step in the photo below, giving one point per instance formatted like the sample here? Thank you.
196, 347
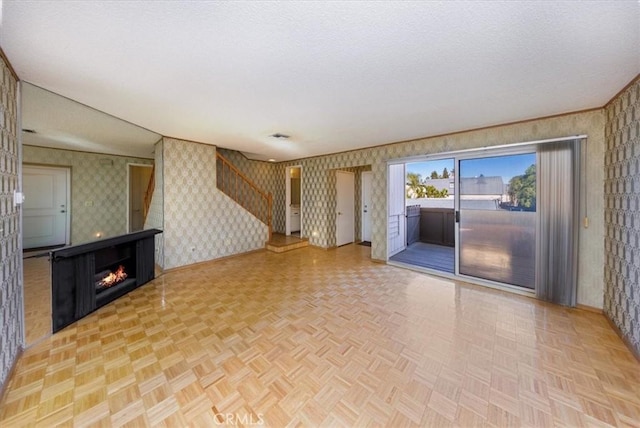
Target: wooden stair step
280, 243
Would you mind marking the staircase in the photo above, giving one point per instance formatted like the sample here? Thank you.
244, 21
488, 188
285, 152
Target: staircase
233, 183
148, 194
280, 243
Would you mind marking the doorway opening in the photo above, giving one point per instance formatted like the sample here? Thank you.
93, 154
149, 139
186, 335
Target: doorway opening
429, 212
139, 176
366, 207
46, 225
345, 207
293, 203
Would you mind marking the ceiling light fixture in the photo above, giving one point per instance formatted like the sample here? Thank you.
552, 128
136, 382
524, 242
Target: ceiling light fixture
279, 136
271, 160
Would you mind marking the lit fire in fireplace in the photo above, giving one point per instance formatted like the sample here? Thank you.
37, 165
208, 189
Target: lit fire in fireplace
113, 278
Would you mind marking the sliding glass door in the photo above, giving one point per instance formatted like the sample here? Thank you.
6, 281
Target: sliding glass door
497, 218
517, 215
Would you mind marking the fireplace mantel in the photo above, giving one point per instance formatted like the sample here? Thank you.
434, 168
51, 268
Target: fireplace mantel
73, 250
73, 270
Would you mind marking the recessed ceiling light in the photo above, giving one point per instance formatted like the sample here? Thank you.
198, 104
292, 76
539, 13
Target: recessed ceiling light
271, 160
29, 131
279, 135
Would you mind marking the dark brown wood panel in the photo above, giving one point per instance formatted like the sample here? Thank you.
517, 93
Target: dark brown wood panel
437, 226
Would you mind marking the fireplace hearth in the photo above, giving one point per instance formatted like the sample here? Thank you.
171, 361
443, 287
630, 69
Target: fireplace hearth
87, 276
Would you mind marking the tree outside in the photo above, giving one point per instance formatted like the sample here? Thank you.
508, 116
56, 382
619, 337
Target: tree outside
445, 174
416, 188
522, 189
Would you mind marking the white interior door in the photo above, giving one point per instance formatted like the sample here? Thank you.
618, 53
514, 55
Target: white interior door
345, 227
396, 223
367, 179
45, 209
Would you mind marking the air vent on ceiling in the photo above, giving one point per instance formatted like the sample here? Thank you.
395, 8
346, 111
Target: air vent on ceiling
279, 135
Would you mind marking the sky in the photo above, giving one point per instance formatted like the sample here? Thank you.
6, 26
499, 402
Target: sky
505, 166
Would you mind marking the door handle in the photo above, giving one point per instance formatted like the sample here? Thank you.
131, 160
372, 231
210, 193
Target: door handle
62, 211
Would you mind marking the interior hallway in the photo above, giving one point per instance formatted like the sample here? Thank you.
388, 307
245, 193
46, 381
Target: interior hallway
325, 338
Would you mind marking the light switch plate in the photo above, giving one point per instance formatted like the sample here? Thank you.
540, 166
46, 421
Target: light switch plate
18, 198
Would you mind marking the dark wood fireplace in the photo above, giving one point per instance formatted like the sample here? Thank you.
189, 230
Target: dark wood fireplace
87, 276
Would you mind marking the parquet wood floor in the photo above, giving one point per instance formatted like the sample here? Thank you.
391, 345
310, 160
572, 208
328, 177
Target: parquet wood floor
325, 338
37, 297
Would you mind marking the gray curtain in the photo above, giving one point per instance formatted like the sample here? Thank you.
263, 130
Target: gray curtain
558, 210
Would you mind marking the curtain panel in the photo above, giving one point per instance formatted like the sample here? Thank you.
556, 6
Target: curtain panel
558, 221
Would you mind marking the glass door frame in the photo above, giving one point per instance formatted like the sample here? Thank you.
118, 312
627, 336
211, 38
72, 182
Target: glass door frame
470, 153
477, 154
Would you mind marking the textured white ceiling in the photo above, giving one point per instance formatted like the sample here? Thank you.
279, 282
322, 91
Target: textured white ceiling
333, 75
65, 124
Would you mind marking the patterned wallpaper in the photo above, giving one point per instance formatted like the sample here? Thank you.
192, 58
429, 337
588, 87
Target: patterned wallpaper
622, 214
200, 222
318, 190
261, 173
271, 177
11, 298
318, 202
98, 189
155, 219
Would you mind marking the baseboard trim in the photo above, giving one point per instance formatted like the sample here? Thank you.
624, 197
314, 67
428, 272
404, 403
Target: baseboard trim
624, 339
589, 308
204, 262
318, 247
3, 387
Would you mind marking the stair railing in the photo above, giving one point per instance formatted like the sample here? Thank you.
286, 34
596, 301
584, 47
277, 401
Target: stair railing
148, 194
233, 183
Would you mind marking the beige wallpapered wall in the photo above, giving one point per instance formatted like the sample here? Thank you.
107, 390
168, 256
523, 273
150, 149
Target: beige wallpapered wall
98, 190
200, 222
261, 173
318, 192
271, 178
11, 297
155, 218
622, 214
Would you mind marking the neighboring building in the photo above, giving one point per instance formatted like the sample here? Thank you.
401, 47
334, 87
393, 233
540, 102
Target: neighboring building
486, 188
482, 193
